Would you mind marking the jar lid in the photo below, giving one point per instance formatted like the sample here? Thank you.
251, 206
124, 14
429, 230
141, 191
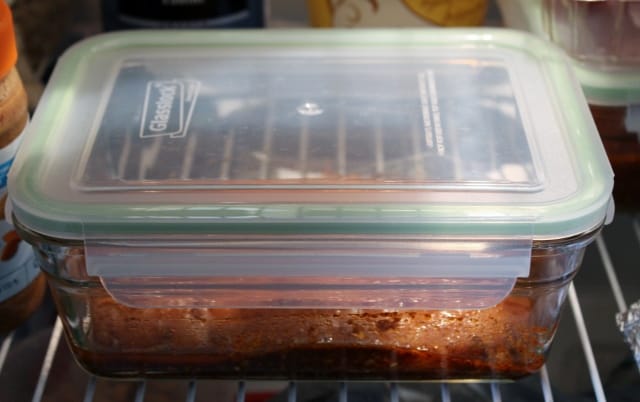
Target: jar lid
8, 50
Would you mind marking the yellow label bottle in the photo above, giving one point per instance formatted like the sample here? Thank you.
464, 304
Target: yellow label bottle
396, 13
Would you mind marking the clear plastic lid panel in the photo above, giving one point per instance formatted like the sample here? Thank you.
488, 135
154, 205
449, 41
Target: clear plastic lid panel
327, 122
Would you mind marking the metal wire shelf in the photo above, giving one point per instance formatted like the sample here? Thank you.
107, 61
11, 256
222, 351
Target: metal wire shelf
394, 392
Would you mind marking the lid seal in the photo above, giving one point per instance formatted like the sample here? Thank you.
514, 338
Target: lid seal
310, 271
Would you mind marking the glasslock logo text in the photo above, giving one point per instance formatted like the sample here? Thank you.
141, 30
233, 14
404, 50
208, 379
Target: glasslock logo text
168, 106
164, 104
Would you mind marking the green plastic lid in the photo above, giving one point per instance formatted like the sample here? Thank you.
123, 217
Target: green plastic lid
449, 132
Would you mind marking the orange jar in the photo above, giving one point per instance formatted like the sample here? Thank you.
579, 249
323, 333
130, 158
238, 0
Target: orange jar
22, 286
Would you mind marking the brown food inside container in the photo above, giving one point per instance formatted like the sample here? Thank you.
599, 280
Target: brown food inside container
498, 342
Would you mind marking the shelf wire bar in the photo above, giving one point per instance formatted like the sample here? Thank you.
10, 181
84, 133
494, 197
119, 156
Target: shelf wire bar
292, 391
54, 341
242, 391
91, 390
496, 395
124, 157
343, 395
227, 155
394, 395
303, 149
445, 392
342, 146
140, 390
586, 345
611, 274
187, 162
418, 153
379, 148
265, 156
191, 391
546, 384
4, 349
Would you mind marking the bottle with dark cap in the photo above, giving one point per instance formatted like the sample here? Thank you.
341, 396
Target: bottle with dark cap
127, 14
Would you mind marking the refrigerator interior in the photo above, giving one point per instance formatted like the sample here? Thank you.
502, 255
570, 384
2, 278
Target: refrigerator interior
589, 360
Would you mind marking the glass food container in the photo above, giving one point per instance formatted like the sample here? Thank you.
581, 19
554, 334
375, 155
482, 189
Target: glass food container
313, 205
614, 99
597, 32
612, 88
